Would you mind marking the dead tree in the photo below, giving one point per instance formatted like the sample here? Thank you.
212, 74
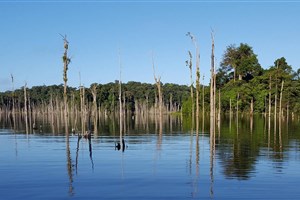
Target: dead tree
190, 64
197, 74
66, 61
212, 90
95, 115
269, 116
120, 105
13, 101
25, 108
160, 101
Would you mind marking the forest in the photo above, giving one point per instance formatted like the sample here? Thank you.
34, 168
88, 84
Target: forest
241, 83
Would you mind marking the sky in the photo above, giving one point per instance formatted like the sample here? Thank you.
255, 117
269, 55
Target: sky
109, 37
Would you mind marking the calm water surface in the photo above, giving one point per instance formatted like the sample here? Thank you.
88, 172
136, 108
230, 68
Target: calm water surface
246, 162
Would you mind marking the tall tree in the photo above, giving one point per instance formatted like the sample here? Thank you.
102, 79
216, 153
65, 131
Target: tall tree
242, 60
229, 61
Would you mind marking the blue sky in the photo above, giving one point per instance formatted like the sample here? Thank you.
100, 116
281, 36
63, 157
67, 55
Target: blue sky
31, 46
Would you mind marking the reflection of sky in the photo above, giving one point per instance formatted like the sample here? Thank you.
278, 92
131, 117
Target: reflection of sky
34, 167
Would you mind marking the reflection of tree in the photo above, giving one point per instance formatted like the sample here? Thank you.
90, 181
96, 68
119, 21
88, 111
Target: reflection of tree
77, 151
238, 152
69, 166
240, 163
91, 152
88, 137
197, 162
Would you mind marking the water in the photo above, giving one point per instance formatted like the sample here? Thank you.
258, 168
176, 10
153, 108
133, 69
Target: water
246, 162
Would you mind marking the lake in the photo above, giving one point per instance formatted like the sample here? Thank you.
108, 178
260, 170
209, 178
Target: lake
244, 160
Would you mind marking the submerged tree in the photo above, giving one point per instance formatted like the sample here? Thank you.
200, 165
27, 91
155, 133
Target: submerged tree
190, 64
158, 84
212, 87
197, 74
66, 61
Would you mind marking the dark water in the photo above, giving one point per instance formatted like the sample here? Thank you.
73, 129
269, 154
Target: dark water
247, 161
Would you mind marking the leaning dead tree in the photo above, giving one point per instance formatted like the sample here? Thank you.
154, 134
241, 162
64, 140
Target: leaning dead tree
66, 61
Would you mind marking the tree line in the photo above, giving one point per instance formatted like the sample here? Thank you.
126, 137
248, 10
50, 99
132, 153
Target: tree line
241, 81
134, 95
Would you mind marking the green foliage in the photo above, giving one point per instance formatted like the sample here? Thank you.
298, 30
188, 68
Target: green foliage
107, 94
241, 59
258, 88
255, 84
187, 107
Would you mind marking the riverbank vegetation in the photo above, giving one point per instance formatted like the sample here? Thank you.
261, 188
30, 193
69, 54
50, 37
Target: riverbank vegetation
243, 84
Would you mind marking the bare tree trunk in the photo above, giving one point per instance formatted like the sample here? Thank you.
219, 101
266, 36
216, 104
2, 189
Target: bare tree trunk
275, 111
212, 94
30, 113
191, 77
94, 112
13, 102
287, 113
234, 73
215, 102
230, 113
197, 75
66, 61
251, 107
280, 102
270, 87
83, 110
237, 111
212, 117
197, 83
124, 113
197, 88
52, 113
203, 107
120, 106
219, 111
171, 104
275, 106
240, 77
158, 84
25, 108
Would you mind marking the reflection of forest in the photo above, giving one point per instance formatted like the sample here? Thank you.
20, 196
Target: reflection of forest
237, 149
106, 124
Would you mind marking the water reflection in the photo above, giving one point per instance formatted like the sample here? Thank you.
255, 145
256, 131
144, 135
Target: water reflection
91, 152
233, 152
77, 151
69, 166
88, 137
